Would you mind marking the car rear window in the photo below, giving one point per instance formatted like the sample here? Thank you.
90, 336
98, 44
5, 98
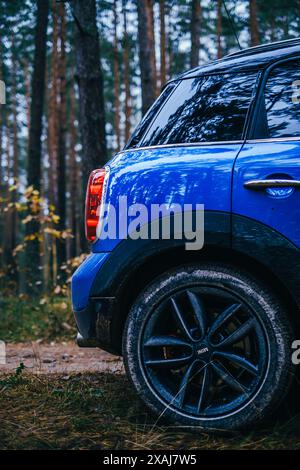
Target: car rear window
148, 118
203, 109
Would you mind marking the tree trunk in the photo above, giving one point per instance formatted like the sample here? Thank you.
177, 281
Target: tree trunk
254, 32
1, 132
147, 53
195, 32
35, 134
90, 84
162, 14
27, 93
61, 147
126, 74
75, 188
8, 219
14, 214
52, 112
219, 29
116, 79
37, 95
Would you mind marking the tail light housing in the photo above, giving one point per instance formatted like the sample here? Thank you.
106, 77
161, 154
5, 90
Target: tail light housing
93, 200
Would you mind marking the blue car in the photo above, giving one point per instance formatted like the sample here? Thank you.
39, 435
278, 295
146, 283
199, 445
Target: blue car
206, 319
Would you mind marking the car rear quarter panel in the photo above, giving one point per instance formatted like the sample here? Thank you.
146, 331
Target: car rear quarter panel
194, 174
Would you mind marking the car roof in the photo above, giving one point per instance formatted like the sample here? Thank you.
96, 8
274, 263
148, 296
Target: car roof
250, 59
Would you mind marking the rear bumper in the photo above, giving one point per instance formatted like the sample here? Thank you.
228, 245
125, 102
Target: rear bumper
83, 279
93, 315
94, 324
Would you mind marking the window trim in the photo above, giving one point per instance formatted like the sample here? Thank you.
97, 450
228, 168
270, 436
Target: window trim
184, 144
255, 116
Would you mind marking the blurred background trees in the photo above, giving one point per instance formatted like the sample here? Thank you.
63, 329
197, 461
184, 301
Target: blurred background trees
79, 74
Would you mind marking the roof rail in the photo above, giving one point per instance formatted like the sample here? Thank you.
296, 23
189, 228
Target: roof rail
266, 47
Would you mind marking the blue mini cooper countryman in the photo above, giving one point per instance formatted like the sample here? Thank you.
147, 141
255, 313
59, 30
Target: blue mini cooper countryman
206, 334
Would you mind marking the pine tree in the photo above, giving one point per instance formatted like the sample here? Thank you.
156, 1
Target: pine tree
90, 85
35, 134
147, 53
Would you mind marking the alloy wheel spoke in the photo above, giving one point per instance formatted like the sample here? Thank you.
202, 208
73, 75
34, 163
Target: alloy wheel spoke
238, 334
184, 384
166, 341
239, 360
168, 363
223, 318
204, 388
228, 378
199, 312
180, 320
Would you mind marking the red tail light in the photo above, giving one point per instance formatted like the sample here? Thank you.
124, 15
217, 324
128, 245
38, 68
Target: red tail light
93, 202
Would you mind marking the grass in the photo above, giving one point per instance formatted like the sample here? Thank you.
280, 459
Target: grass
26, 320
93, 411
100, 411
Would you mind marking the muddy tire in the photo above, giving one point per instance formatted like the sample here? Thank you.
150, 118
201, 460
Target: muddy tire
208, 346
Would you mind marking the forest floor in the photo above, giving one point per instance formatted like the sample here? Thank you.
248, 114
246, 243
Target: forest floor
54, 395
59, 358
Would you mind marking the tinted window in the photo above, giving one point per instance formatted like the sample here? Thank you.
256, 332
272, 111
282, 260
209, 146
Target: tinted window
282, 100
146, 120
205, 109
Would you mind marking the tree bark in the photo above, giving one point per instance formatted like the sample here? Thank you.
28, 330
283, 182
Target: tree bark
147, 53
35, 134
52, 111
254, 32
37, 95
62, 122
126, 74
116, 79
162, 13
27, 93
90, 84
195, 32
219, 29
14, 214
75, 188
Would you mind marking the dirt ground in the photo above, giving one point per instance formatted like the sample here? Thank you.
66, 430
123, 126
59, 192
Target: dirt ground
65, 357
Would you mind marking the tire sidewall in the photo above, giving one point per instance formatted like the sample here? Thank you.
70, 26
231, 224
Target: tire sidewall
268, 310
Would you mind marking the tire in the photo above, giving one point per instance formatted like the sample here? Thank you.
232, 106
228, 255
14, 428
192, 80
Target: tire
208, 346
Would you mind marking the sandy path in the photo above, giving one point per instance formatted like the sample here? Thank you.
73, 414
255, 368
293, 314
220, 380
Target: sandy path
62, 357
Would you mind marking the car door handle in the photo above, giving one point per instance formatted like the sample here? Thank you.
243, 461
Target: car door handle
272, 183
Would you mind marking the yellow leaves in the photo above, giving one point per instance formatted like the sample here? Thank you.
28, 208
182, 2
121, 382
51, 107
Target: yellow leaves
20, 207
18, 248
13, 187
28, 191
66, 234
60, 234
27, 219
57, 290
53, 232
31, 237
55, 218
